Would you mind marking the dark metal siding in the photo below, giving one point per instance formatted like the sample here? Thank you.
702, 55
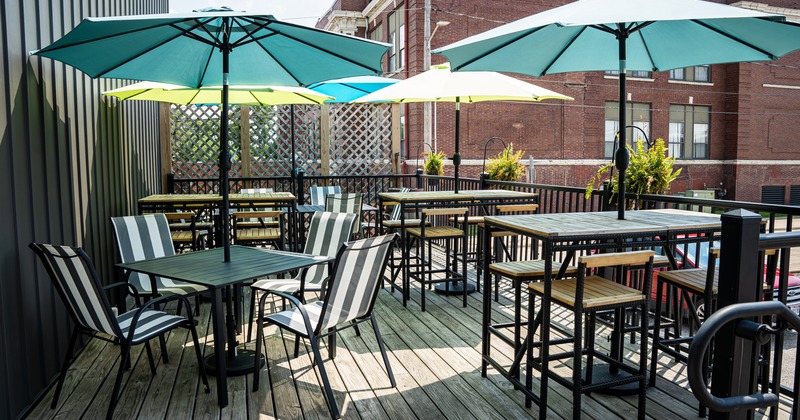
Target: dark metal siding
69, 160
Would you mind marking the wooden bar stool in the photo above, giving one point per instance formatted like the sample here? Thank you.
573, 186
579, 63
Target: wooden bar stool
518, 272
585, 295
261, 234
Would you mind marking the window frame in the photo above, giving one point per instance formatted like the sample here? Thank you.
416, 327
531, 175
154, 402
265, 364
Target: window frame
611, 115
695, 140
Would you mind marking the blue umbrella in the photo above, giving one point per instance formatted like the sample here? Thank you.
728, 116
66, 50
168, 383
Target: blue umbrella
649, 35
214, 47
351, 88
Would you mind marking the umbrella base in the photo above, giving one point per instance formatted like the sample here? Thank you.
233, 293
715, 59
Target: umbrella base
454, 289
239, 365
602, 372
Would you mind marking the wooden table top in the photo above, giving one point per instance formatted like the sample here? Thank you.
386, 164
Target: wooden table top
274, 197
606, 223
207, 268
423, 196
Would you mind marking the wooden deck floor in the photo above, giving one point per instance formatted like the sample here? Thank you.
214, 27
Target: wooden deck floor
435, 356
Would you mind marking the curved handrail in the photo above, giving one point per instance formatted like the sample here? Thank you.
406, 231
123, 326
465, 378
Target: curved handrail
703, 338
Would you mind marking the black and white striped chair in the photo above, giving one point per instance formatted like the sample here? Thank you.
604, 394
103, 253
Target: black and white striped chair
328, 231
76, 280
348, 300
143, 238
346, 203
318, 194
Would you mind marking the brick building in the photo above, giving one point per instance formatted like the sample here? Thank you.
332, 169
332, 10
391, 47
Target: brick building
731, 127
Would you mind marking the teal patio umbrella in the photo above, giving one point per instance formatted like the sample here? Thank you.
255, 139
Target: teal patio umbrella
214, 47
351, 88
648, 35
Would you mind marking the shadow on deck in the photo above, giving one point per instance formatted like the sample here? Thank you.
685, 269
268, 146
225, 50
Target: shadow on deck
435, 356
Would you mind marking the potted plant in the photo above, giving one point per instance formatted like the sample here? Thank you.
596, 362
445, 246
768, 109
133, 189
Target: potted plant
506, 166
650, 172
434, 165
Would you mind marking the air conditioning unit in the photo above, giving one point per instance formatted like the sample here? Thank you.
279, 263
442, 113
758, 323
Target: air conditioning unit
709, 194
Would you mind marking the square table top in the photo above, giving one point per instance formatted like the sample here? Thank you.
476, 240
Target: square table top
424, 196
207, 268
554, 225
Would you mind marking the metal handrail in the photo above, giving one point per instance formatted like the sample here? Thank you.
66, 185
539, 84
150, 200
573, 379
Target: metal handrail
702, 340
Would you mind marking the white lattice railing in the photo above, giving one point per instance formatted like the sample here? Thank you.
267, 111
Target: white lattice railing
338, 139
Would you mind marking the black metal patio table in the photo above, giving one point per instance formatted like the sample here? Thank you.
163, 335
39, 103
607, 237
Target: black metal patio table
207, 268
572, 232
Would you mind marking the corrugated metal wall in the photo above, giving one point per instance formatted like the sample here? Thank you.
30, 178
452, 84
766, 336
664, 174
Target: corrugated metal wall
69, 160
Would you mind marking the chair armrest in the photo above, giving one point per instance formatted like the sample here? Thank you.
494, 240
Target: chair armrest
162, 299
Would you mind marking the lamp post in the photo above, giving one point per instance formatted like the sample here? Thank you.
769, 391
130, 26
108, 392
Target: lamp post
426, 64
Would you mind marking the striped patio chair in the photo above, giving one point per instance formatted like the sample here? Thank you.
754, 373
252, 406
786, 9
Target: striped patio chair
328, 231
346, 203
76, 281
348, 300
143, 238
318, 194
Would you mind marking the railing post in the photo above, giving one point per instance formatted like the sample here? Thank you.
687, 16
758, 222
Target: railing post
735, 359
301, 189
419, 178
170, 183
484, 178
606, 204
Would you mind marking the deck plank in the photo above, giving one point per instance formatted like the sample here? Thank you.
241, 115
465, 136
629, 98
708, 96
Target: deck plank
435, 356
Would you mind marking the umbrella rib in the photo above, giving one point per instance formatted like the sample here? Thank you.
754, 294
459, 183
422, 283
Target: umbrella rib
88, 41
499, 47
739, 40
182, 32
317, 47
561, 53
647, 49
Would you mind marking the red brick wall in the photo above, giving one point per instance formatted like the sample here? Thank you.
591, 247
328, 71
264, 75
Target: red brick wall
748, 122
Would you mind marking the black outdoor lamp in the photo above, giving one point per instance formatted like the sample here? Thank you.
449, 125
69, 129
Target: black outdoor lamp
422, 146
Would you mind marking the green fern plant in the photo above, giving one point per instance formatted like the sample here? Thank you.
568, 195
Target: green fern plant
650, 172
434, 163
506, 166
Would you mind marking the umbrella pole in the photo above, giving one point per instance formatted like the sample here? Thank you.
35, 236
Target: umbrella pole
456, 155
224, 154
622, 156
294, 157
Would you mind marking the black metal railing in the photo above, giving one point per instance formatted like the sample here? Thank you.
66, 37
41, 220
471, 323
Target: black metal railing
552, 198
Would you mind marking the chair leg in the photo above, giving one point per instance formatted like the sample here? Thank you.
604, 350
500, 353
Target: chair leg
656, 334
643, 319
163, 341
125, 349
201, 366
383, 349
252, 313
150, 358
576, 366
324, 376
332, 343
259, 334
61, 376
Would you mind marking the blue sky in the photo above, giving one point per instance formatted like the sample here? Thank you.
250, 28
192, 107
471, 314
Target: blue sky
302, 12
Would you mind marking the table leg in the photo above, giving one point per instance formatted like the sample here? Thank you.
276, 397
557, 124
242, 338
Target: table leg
219, 347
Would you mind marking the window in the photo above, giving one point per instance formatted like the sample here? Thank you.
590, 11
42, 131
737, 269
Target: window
397, 30
636, 74
692, 74
377, 33
637, 115
689, 131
